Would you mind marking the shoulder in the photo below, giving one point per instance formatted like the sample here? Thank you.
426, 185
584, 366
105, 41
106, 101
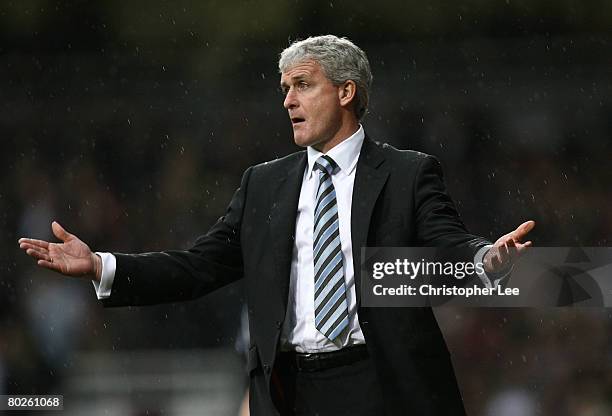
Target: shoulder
285, 162
400, 157
277, 167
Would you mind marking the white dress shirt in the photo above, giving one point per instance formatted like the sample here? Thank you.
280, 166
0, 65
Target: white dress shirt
299, 332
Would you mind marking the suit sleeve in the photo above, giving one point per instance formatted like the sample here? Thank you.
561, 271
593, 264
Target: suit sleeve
214, 260
437, 219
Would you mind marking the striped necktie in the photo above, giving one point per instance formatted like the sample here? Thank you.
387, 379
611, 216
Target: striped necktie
331, 306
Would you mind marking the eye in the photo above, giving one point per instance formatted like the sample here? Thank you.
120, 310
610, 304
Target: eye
283, 89
302, 85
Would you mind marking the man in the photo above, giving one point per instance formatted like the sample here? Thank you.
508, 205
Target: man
294, 230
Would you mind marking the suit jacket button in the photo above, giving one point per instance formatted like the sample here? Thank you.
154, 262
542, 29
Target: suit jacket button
279, 324
267, 368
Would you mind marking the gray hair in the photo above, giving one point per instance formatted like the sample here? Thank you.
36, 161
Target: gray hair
340, 59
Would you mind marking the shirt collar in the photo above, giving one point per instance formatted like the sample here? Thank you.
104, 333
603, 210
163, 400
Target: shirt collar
344, 154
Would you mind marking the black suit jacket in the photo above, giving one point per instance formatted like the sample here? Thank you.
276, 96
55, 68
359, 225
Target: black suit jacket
399, 199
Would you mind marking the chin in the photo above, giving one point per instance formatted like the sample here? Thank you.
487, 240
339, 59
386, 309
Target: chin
305, 139
302, 141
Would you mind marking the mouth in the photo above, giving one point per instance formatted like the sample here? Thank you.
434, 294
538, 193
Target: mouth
295, 121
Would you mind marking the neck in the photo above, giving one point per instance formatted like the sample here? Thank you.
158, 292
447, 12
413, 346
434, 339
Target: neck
346, 130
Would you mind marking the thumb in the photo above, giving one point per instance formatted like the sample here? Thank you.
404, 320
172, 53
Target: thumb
523, 229
60, 232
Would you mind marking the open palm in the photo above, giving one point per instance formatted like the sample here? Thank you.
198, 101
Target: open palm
507, 248
72, 257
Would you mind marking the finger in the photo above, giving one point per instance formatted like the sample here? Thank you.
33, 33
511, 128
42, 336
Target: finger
523, 229
523, 246
503, 253
512, 249
34, 242
39, 255
60, 232
48, 265
26, 246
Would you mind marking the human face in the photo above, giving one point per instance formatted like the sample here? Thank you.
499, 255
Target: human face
313, 104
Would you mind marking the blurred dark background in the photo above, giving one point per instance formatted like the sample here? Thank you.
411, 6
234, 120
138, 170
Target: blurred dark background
131, 122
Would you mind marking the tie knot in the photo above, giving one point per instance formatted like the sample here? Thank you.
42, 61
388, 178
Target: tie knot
326, 164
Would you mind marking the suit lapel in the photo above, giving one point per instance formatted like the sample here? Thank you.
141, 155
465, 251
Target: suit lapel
370, 177
283, 214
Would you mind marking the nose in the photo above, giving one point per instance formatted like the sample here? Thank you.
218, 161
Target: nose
290, 100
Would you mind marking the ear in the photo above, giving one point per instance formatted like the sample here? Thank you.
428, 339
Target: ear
346, 92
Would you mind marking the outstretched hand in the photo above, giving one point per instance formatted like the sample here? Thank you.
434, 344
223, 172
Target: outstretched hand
507, 248
72, 257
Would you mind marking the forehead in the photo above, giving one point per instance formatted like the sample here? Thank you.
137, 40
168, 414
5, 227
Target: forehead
305, 69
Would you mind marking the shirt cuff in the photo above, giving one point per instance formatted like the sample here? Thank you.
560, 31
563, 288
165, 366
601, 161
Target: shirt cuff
104, 286
486, 278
